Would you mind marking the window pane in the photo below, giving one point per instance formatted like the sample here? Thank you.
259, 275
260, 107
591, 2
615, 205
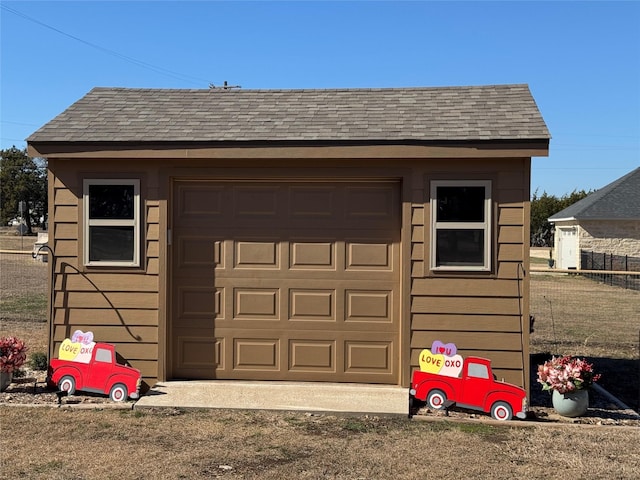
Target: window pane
111, 201
103, 355
478, 371
114, 244
459, 247
460, 204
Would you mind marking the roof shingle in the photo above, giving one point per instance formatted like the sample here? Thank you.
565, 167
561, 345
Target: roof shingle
619, 200
497, 112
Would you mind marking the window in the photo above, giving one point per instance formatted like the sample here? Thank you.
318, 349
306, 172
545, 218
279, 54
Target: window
460, 225
112, 222
477, 370
103, 356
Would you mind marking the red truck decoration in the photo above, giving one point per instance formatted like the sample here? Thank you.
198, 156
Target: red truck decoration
446, 379
83, 364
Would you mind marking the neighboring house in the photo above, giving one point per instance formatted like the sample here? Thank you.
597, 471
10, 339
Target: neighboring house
305, 235
605, 221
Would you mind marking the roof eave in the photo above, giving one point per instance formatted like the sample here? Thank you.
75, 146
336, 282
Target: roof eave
470, 148
594, 219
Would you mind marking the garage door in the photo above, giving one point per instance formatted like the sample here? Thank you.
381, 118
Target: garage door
285, 281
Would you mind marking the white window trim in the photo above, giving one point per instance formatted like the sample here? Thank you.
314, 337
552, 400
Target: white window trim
485, 226
135, 222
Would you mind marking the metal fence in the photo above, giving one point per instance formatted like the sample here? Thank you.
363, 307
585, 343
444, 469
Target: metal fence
590, 314
609, 262
23, 287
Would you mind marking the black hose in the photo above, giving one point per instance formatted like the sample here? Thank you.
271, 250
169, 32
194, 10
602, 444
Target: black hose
52, 291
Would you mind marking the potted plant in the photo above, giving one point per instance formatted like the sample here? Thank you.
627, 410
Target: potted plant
569, 379
13, 353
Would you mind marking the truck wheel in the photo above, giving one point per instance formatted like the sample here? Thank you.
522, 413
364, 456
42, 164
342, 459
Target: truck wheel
501, 411
67, 384
118, 393
436, 399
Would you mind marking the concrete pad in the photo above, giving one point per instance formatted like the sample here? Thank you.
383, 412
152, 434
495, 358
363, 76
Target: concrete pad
291, 396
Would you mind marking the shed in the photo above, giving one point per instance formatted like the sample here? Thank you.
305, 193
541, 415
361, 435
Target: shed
299, 235
606, 221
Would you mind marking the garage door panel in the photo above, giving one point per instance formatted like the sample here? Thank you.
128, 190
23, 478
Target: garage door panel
198, 201
369, 351
369, 256
199, 302
198, 252
256, 354
243, 276
257, 254
299, 280
312, 255
312, 356
256, 303
371, 204
311, 201
312, 305
368, 306
368, 357
256, 202
201, 352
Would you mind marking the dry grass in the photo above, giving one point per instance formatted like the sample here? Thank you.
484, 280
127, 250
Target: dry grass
46, 443
579, 316
23, 291
207, 444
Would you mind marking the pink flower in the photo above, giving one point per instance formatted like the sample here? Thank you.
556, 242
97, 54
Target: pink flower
566, 374
13, 353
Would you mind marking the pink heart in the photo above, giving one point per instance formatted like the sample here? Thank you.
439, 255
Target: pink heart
82, 337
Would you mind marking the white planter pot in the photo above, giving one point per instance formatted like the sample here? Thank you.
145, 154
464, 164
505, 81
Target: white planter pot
571, 404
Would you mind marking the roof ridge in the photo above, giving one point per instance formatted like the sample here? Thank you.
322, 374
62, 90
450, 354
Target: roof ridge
291, 90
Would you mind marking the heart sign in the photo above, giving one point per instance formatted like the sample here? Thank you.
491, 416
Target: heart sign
429, 362
448, 349
69, 350
452, 366
85, 353
76, 351
82, 337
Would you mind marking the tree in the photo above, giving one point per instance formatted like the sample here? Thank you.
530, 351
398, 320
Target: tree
544, 206
22, 179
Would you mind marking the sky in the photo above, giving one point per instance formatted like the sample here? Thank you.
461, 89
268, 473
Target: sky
581, 60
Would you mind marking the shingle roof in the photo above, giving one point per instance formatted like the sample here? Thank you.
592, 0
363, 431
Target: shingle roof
499, 112
620, 200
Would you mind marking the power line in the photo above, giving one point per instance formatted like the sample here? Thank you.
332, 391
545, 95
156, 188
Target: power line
140, 63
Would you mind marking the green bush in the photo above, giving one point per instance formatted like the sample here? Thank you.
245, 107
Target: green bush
38, 361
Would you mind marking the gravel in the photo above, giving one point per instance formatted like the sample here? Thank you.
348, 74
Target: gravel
604, 409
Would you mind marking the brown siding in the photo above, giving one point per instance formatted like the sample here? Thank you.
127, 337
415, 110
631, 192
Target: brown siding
116, 334
106, 282
105, 316
482, 313
119, 306
466, 323
116, 300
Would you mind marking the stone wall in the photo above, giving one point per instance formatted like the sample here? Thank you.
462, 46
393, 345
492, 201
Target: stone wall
619, 237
